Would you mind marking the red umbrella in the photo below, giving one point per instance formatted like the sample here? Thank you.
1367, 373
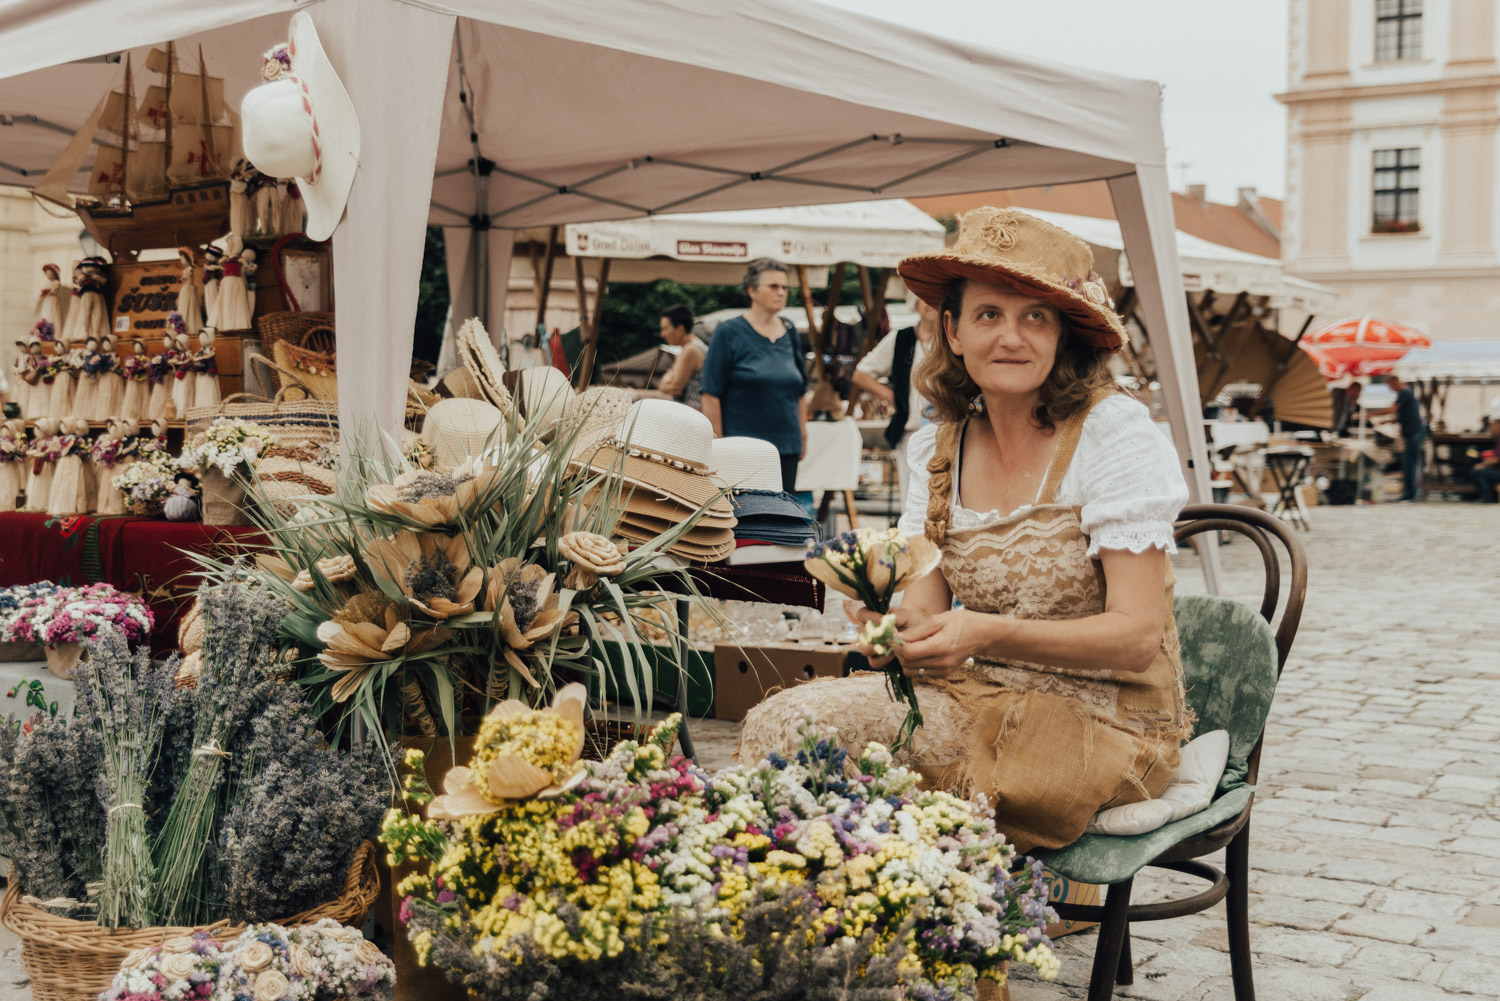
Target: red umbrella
1327, 367
1364, 345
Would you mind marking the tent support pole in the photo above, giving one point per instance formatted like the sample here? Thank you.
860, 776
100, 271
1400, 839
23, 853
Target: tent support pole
807, 303
825, 330
590, 324
543, 280
1143, 203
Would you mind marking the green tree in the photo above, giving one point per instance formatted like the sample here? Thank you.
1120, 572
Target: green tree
432, 298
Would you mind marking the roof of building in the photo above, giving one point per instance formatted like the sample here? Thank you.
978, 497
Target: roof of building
1227, 225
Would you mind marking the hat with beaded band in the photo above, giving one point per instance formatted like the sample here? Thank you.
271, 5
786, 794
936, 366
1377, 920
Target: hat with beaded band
1005, 245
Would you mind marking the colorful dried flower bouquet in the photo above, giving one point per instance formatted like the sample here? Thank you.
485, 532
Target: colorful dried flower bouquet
642, 873
325, 961
78, 615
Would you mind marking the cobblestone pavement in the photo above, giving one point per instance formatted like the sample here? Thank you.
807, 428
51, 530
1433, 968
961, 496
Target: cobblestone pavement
1375, 851
1376, 846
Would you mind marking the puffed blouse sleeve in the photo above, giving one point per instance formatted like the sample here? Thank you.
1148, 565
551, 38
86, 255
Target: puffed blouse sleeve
919, 451
1129, 479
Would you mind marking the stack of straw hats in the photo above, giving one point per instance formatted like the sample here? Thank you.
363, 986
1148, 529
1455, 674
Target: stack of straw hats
541, 395
662, 453
763, 511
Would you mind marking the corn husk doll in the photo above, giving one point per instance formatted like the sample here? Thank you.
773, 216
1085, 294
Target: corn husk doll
28, 374
111, 381
182, 373
291, 208
213, 275
89, 315
41, 462
135, 369
267, 208
189, 300
114, 452
206, 371
233, 302
52, 303
12, 463
239, 199
61, 374
88, 365
159, 401
72, 483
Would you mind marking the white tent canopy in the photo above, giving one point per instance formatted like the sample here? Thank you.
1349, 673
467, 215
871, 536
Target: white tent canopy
876, 234
1206, 265
607, 109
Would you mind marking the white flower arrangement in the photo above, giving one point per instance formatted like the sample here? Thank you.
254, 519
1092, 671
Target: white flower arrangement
228, 442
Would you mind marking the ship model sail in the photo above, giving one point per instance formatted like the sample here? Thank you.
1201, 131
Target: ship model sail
160, 175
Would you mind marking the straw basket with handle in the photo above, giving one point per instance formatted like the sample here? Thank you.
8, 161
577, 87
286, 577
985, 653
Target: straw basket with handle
292, 326
299, 422
72, 960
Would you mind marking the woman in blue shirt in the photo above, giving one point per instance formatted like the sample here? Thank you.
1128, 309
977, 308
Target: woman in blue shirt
753, 378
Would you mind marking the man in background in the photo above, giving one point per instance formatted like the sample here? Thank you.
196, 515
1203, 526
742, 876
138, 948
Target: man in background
1413, 434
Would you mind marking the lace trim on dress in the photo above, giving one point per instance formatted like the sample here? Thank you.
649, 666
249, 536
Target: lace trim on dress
1137, 537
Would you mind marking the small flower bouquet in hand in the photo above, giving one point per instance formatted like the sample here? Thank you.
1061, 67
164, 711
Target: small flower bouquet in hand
872, 567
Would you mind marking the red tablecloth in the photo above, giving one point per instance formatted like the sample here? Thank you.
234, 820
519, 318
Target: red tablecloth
144, 556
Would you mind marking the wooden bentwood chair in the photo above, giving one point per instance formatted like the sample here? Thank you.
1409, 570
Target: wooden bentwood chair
1231, 662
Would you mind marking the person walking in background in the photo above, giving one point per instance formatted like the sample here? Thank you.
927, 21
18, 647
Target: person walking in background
1413, 434
893, 360
754, 380
684, 379
1485, 474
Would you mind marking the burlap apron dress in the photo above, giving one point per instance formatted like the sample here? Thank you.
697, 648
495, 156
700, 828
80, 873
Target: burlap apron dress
1048, 746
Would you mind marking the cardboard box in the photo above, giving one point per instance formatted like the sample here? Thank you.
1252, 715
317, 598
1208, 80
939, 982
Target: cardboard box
1061, 888
744, 676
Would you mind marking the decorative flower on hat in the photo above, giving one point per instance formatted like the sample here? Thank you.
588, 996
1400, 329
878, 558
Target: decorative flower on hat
432, 499
432, 570
593, 556
520, 753
277, 62
526, 610
368, 630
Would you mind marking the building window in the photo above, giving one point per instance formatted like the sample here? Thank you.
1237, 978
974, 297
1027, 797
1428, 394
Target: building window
1397, 178
1398, 30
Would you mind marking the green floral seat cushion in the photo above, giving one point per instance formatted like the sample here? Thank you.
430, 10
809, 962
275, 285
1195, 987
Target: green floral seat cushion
1229, 668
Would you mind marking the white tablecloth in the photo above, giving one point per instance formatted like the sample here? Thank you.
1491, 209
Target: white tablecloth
18, 676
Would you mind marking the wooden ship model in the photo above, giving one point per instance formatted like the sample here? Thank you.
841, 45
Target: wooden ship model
161, 169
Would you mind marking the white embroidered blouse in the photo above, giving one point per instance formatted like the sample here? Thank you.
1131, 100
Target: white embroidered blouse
1125, 476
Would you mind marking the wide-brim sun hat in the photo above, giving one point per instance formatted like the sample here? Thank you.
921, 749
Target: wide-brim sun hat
542, 395
746, 463
665, 448
301, 124
457, 430
997, 245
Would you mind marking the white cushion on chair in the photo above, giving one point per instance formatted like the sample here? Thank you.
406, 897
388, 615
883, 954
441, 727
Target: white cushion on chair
1191, 790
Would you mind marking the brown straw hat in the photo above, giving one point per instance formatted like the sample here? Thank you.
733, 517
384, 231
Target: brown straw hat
1004, 245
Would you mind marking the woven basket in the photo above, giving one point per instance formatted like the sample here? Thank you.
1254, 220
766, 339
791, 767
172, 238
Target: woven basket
288, 326
289, 421
315, 369
71, 960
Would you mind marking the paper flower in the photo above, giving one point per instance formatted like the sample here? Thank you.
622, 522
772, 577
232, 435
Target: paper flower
521, 753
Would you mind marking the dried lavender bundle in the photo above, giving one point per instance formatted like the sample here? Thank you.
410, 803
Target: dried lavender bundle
239, 658
51, 824
124, 701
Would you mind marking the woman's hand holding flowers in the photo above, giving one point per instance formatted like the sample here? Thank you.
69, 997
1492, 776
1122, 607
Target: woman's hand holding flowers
930, 647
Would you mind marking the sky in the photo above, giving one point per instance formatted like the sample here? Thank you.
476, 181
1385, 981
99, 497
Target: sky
1218, 61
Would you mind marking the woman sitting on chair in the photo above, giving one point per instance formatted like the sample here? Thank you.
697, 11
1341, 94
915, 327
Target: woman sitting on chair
1056, 689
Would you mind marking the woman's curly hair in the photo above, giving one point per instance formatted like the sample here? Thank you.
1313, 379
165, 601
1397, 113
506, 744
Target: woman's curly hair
1080, 372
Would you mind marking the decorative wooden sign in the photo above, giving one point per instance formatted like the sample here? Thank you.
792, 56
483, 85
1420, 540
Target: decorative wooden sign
140, 296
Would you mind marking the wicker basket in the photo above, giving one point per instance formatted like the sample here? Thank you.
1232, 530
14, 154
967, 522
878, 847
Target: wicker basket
288, 326
71, 960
